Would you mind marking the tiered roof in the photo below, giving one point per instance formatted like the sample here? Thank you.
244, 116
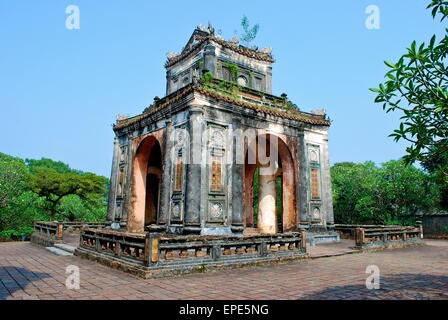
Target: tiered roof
241, 96
199, 37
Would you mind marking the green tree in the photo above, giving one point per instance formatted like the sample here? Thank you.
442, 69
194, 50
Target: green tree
417, 86
59, 166
14, 180
390, 194
249, 33
54, 186
436, 163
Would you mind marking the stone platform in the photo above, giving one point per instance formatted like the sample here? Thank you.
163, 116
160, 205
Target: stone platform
155, 255
29, 272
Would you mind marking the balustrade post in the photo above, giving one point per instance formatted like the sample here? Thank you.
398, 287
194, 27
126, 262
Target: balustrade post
59, 231
151, 248
303, 243
420, 226
117, 247
97, 242
81, 238
263, 249
359, 236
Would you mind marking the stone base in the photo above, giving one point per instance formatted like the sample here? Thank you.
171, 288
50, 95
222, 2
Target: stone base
216, 231
314, 238
43, 241
157, 271
378, 245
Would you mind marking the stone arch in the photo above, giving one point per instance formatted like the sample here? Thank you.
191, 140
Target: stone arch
145, 189
287, 173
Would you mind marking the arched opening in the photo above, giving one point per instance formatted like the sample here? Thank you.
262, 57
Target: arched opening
153, 179
145, 185
269, 195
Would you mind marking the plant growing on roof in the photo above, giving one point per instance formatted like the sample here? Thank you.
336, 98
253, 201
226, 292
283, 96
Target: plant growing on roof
233, 69
208, 77
249, 34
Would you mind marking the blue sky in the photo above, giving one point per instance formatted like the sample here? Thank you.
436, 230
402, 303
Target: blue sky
60, 89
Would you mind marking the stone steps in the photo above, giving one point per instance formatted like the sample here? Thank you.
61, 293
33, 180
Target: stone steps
65, 247
58, 251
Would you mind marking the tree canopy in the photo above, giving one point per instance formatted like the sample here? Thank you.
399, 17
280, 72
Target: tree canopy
47, 190
392, 193
417, 87
54, 186
250, 33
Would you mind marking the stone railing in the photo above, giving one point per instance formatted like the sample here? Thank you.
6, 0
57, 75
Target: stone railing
153, 254
347, 231
77, 225
47, 233
387, 237
127, 246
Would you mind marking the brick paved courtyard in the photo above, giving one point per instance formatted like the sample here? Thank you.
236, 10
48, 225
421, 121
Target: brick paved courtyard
31, 272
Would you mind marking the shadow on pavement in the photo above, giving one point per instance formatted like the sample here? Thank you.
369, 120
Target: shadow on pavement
16, 278
395, 287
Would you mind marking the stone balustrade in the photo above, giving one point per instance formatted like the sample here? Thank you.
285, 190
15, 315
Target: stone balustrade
48, 233
152, 254
387, 237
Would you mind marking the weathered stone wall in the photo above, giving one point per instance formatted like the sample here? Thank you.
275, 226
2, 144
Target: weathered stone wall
194, 206
435, 225
213, 57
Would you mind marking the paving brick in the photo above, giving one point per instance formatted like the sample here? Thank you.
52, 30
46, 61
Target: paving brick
30, 272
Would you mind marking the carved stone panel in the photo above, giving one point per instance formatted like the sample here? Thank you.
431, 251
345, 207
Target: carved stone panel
216, 211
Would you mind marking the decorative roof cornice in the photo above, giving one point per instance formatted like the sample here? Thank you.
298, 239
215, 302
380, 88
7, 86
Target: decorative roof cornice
198, 88
235, 47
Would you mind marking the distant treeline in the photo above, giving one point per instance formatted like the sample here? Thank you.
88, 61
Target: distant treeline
47, 190
393, 193
363, 193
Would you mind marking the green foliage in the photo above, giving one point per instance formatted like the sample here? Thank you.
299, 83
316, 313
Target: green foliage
54, 186
208, 77
390, 194
249, 33
436, 163
13, 180
47, 190
417, 86
289, 104
233, 69
59, 166
256, 189
21, 231
14, 186
279, 200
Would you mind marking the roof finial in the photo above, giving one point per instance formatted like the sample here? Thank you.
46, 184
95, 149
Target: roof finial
211, 30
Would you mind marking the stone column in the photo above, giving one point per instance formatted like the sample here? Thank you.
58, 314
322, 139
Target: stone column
268, 80
237, 178
326, 182
267, 210
210, 59
113, 182
165, 186
302, 194
193, 171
